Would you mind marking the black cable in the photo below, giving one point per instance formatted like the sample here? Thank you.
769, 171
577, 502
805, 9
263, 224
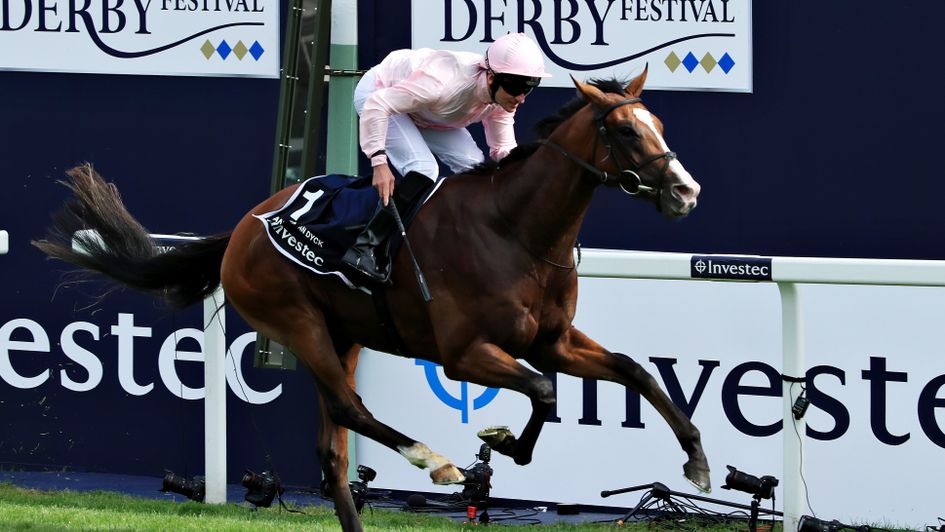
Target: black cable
524, 518
801, 456
252, 416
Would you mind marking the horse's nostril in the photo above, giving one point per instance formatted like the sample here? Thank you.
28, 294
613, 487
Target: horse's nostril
686, 192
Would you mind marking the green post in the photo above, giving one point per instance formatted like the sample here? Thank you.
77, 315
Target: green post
342, 140
342, 143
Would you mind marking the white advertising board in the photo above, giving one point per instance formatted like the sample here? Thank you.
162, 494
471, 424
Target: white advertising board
163, 37
876, 421
689, 45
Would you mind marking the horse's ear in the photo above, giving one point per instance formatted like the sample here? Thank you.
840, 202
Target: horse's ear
590, 92
635, 87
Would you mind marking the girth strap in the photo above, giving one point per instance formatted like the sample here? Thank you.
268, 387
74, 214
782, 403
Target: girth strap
386, 320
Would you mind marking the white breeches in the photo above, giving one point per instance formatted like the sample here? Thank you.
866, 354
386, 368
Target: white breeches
411, 148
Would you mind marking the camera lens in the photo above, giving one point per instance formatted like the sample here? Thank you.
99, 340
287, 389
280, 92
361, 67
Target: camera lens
761, 487
250, 480
485, 452
366, 474
192, 489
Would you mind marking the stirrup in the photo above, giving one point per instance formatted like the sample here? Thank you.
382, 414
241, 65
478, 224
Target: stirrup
364, 264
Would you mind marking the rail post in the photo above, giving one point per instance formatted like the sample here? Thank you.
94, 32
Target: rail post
793, 430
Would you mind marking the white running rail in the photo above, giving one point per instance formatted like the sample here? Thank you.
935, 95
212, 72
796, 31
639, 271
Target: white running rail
4, 243
786, 272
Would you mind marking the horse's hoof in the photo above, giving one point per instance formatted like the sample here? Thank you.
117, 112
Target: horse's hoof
447, 474
698, 476
496, 433
499, 439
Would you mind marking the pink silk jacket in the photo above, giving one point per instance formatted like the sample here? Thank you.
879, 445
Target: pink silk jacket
436, 89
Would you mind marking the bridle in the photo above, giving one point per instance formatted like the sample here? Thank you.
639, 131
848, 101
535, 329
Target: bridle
628, 178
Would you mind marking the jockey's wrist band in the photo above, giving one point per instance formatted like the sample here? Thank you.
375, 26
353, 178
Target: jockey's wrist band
378, 158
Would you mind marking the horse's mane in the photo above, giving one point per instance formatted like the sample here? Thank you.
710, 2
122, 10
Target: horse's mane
547, 125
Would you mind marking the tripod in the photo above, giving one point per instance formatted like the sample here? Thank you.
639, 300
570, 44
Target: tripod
753, 517
659, 492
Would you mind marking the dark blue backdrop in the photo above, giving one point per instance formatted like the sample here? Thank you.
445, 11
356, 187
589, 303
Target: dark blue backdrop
835, 153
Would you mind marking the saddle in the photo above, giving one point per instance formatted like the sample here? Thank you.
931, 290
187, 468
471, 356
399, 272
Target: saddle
325, 214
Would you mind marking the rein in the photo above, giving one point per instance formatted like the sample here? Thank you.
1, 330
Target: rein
627, 179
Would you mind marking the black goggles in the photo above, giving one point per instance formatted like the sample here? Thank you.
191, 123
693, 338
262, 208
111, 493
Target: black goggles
517, 85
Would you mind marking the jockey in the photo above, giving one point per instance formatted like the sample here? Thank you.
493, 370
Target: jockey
416, 104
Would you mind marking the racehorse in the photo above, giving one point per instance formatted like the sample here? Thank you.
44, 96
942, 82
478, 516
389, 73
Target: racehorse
496, 245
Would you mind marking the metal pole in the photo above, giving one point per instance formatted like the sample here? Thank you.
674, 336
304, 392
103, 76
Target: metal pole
214, 402
341, 146
288, 80
315, 98
793, 430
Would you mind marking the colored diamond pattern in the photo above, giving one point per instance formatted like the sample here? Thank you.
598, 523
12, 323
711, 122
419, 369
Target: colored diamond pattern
672, 61
708, 62
224, 49
256, 50
240, 50
207, 49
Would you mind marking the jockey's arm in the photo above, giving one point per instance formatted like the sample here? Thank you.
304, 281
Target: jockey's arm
500, 133
412, 95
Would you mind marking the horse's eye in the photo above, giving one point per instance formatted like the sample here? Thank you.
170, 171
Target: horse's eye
627, 131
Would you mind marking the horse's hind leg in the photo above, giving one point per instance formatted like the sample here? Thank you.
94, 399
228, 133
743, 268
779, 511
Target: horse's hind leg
269, 293
333, 452
578, 355
310, 341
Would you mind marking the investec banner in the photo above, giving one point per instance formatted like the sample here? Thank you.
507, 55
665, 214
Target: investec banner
876, 382
164, 37
688, 44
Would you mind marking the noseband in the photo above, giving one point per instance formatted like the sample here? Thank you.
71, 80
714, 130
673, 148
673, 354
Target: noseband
628, 178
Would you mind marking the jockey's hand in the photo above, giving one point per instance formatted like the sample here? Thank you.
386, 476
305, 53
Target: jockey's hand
384, 182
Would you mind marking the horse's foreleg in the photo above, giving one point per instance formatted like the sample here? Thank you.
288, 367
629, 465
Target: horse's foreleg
578, 355
488, 365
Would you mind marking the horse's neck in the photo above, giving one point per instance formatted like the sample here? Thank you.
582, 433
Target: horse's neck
545, 201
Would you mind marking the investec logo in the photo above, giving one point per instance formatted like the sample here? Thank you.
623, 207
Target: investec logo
719, 267
461, 403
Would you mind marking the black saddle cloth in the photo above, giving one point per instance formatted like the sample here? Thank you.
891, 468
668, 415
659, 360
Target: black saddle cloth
322, 219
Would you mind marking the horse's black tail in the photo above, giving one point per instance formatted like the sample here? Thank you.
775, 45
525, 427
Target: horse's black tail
114, 244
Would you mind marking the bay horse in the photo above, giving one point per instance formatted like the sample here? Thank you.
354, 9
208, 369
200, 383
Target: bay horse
496, 245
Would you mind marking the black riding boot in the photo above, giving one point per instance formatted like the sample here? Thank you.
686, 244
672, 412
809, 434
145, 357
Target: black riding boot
361, 255
364, 254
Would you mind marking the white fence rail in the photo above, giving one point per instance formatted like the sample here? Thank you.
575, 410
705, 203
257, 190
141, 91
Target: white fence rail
787, 272
4, 243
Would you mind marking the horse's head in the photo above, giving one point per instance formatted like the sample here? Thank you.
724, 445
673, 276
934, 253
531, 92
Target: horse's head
629, 150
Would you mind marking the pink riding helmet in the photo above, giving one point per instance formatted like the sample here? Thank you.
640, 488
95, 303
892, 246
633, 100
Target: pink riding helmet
517, 54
